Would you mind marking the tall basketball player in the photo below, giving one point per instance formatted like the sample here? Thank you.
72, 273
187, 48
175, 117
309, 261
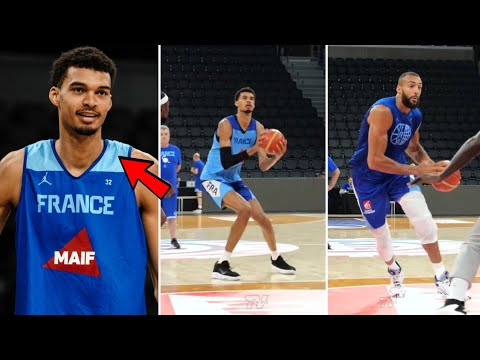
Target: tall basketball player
236, 139
389, 132
84, 239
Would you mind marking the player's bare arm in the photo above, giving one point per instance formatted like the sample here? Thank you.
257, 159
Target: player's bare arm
265, 162
469, 150
11, 168
380, 120
416, 151
148, 205
334, 179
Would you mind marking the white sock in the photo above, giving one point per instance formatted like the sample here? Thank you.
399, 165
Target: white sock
458, 289
439, 269
225, 257
394, 266
274, 255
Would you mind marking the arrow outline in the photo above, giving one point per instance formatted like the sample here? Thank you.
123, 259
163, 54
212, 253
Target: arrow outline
150, 162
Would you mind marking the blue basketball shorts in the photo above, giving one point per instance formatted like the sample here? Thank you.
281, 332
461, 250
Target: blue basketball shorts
374, 199
169, 205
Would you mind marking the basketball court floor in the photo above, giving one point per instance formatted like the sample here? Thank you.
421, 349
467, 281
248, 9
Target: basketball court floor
357, 277
187, 287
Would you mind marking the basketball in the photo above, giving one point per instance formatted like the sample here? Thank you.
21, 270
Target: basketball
270, 140
449, 183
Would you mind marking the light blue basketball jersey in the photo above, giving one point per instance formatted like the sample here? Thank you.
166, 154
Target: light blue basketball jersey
241, 141
80, 243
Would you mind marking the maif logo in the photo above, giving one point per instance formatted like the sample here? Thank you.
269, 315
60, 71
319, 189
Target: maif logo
77, 256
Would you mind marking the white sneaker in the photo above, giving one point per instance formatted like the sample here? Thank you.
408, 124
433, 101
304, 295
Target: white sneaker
443, 284
397, 289
197, 211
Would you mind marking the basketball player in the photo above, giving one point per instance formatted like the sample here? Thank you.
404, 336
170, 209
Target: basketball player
335, 174
389, 132
164, 112
164, 108
83, 236
468, 259
237, 138
196, 170
171, 163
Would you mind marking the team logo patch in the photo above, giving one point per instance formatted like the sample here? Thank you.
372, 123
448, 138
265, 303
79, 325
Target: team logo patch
401, 134
367, 205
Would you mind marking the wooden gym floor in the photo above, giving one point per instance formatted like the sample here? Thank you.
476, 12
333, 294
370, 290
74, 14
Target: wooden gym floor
300, 239
371, 270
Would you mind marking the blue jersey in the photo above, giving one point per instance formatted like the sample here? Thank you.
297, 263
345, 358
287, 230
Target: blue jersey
171, 157
400, 133
331, 165
80, 243
198, 164
241, 141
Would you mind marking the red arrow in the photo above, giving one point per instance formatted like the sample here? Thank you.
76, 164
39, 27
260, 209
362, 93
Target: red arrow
136, 170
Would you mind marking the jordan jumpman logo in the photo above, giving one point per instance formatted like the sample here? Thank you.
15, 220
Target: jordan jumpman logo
44, 180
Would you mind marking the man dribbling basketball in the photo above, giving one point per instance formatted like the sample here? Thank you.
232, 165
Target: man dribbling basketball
389, 132
237, 138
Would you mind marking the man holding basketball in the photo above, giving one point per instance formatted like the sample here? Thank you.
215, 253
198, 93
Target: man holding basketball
468, 259
389, 132
237, 138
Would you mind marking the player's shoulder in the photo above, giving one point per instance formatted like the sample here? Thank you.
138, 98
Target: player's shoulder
225, 122
12, 163
259, 124
380, 109
138, 154
417, 112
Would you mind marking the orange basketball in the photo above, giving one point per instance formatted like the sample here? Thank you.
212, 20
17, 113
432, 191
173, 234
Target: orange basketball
270, 140
449, 183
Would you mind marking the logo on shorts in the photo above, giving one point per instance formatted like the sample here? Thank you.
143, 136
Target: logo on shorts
367, 206
212, 187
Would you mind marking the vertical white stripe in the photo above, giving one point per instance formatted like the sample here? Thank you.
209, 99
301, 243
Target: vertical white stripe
159, 91
326, 173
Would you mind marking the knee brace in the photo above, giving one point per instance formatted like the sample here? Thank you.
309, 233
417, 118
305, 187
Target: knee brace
416, 209
384, 242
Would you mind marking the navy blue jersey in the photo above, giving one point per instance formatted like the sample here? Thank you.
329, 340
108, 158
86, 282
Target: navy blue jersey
400, 133
80, 242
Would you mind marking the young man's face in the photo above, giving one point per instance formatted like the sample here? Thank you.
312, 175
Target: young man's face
245, 102
83, 100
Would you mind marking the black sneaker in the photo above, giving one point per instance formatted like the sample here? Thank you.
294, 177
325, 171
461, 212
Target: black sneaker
452, 307
282, 267
175, 244
222, 271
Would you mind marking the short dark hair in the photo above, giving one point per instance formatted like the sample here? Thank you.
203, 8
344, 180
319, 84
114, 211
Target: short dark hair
86, 57
244, 89
405, 74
